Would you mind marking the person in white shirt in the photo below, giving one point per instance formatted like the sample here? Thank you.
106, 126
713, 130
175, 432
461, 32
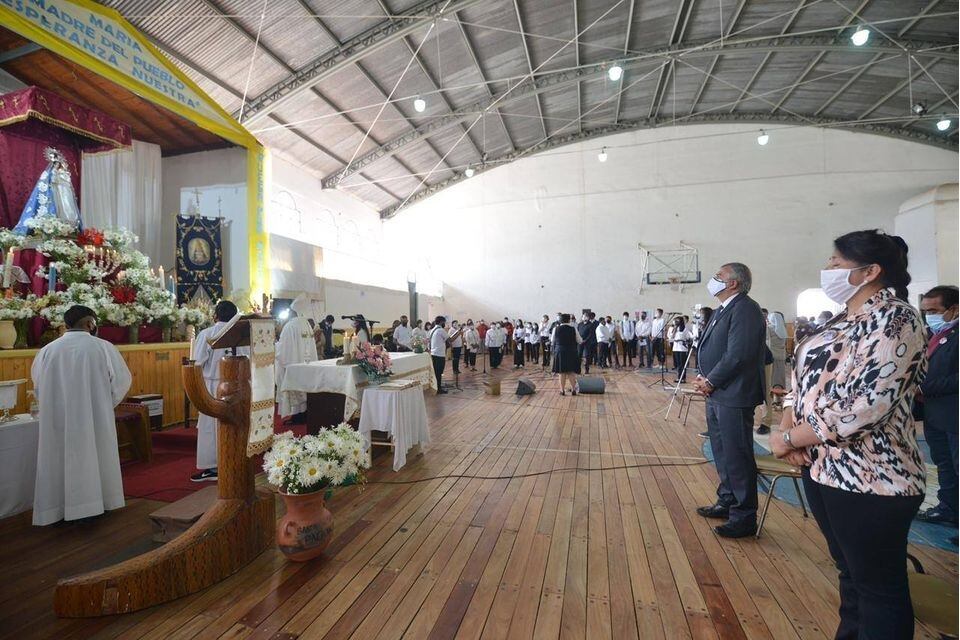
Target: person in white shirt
402, 334
296, 346
657, 336
471, 345
604, 336
209, 359
643, 331
78, 379
519, 333
616, 343
629, 335
532, 338
418, 332
494, 340
456, 346
439, 341
679, 341
544, 339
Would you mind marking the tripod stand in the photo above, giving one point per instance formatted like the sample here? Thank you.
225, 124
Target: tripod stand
681, 376
663, 340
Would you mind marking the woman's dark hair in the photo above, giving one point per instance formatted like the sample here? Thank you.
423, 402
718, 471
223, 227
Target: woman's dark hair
873, 246
705, 315
564, 318
680, 323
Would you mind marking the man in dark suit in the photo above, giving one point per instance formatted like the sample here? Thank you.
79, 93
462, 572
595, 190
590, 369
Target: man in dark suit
588, 333
731, 365
939, 401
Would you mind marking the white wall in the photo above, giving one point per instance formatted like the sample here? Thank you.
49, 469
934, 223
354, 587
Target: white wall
929, 220
216, 174
560, 230
332, 247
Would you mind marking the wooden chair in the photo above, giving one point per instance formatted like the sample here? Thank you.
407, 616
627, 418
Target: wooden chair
776, 469
934, 599
133, 430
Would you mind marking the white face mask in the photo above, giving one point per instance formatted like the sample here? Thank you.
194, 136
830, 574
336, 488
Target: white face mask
836, 284
715, 286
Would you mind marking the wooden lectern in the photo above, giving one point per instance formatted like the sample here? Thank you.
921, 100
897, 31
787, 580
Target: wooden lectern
240, 524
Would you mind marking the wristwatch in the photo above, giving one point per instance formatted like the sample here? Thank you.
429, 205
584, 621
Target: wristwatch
786, 439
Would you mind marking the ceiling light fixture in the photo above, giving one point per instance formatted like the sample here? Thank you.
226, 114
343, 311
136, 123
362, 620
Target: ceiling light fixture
919, 109
602, 156
469, 172
943, 124
763, 138
860, 36
419, 104
615, 72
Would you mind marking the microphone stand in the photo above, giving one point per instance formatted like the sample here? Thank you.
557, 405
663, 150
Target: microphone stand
663, 345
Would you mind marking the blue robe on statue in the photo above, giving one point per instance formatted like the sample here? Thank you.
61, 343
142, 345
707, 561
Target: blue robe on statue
52, 196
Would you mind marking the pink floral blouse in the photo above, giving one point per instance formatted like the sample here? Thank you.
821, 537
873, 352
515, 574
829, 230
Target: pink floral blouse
854, 383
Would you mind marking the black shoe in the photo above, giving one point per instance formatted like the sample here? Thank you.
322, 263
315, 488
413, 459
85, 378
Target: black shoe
441, 391
953, 540
736, 530
563, 393
763, 429
938, 515
714, 511
704, 434
207, 475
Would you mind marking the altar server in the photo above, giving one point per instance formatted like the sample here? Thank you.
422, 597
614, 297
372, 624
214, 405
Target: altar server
78, 379
209, 358
296, 346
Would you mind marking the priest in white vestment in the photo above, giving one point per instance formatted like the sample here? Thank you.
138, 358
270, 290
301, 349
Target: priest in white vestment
296, 346
78, 380
209, 359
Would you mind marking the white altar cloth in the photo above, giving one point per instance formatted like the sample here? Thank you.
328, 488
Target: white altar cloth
401, 413
325, 376
18, 464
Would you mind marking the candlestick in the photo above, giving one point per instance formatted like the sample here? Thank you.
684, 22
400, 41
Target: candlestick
52, 279
8, 268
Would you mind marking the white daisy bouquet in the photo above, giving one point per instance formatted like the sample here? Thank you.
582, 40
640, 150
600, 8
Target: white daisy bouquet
312, 463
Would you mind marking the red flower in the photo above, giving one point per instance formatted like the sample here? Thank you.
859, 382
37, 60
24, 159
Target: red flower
90, 237
123, 294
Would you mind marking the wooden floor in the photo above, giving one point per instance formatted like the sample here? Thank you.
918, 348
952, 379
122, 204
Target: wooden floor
566, 554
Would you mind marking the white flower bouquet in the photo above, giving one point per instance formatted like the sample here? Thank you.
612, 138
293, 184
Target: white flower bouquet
313, 463
17, 308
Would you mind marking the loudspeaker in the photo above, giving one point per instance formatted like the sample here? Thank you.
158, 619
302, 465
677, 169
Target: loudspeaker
525, 387
591, 384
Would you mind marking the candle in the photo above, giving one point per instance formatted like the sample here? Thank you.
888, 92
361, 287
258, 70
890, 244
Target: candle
191, 348
161, 278
8, 269
173, 286
52, 279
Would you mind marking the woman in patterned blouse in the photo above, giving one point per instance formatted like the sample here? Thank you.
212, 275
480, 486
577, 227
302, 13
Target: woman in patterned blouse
851, 428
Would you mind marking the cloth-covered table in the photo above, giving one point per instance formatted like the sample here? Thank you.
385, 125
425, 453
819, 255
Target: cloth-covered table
19, 440
326, 376
399, 412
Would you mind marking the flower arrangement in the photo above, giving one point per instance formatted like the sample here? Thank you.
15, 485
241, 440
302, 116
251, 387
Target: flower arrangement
373, 360
311, 463
418, 344
18, 308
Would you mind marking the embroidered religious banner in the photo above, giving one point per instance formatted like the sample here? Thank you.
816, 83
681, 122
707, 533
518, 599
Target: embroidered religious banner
99, 132
199, 260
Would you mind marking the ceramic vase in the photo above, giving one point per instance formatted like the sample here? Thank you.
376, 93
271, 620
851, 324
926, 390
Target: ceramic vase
8, 334
305, 530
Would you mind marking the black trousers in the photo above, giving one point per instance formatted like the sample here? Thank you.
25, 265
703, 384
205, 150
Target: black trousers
604, 348
456, 358
943, 453
631, 345
643, 354
589, 353
545, 350
470, 358
680, 359
496, 356
439, 363
657, 351
867, 537
731, 438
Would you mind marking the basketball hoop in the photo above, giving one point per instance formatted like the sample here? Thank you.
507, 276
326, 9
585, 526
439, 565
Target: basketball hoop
676, 284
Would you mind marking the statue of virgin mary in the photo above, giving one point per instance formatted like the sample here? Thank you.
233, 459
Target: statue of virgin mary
53, 195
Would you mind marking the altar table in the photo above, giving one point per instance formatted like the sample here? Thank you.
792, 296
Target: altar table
19, 440
399, 412
326, 376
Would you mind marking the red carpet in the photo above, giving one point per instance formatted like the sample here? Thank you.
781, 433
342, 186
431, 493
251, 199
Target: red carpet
167, 476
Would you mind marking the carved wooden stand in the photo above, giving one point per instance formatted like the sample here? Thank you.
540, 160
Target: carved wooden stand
239, 526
